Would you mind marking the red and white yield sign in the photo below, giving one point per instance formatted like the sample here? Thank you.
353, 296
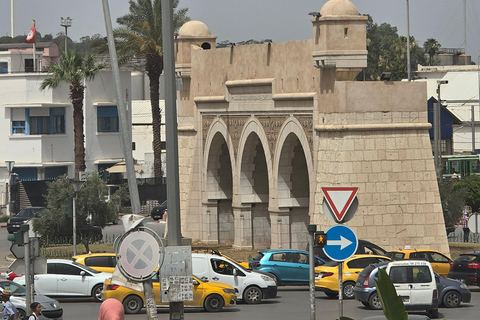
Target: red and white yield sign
340, 203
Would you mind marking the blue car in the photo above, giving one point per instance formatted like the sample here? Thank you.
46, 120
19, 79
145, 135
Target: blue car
286, 266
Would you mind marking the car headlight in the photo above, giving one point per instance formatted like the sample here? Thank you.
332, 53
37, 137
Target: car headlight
8, 221
267, 278
463, 286
229, 291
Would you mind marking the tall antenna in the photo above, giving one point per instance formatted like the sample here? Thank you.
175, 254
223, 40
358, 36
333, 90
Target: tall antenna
11, 19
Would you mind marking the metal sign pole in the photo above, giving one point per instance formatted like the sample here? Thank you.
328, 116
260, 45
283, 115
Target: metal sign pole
340, 289
311, 265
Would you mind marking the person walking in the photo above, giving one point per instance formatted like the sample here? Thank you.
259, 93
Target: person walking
111, 309
9, 310
466, 230
36, 308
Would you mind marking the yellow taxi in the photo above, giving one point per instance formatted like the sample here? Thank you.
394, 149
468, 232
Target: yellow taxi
208, 295
103, 262
439, 261
326, 276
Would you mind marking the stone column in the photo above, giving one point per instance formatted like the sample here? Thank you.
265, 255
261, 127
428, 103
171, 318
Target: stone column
243, 226
280, 222
210, 222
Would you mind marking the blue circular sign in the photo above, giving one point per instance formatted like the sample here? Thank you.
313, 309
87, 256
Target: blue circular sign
342, 243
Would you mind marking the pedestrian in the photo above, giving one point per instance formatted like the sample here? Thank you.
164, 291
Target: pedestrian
9, 310
36, 308
111, 309
466, 230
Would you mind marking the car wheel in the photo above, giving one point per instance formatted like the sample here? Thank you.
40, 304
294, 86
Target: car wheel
374, 301
452, 299
347, 290
21, 314
97, 292
433, 313
132, 304
252, 295
331, 294
213, 303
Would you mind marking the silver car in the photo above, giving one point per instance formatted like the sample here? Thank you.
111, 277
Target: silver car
51, 309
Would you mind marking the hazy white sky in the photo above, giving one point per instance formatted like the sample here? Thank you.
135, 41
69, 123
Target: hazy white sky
279, 20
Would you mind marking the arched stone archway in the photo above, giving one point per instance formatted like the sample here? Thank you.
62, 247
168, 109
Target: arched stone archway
293, 172
218, 219
252, 219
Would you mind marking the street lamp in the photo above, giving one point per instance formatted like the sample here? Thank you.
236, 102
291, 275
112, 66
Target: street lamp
66, 22
76, 187
437, 132
10, 164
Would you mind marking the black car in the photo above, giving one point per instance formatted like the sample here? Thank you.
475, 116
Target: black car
23, 215
158, 212
466, 268
364, 247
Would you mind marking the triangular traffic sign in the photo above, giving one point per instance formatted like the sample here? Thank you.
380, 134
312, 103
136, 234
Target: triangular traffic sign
339, 199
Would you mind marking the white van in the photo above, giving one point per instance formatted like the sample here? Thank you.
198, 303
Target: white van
415, 283
250, 286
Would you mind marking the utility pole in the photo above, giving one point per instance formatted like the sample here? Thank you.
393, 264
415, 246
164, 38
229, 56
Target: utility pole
409, 67
173, 190
437, 138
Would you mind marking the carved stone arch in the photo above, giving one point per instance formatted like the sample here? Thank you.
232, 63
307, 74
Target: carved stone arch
218, 127
292, 126
253, 126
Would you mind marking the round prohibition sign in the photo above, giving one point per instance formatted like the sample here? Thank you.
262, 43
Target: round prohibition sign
139, 254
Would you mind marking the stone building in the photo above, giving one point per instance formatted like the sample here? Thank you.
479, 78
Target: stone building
263, 127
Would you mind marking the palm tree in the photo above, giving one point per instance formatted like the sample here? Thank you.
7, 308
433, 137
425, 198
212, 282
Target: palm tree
432, 47
140, 35
74, 69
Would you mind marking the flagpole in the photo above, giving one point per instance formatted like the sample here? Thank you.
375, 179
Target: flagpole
34, 50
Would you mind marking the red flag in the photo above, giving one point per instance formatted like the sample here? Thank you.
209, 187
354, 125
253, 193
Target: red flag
31, 35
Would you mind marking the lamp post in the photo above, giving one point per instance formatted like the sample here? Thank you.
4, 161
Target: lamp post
76, 187
66, 22
10, 164
437, 132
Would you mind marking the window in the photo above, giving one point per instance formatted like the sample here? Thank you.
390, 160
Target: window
18, 127
222, 267
100, 262
3, 67
28, 65
43, 121
39, 125
437, 257
107, 119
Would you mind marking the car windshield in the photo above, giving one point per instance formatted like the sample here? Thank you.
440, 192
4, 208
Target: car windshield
395, 255
164, 203
84, 267
26, 213
16, 289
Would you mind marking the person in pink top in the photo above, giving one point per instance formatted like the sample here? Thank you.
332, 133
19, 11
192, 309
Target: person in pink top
111, 309
466, 230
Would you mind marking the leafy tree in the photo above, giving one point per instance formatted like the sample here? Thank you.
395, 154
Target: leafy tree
74, 69
471, 184
387, 52
432, 47
140, 35
91, 202
453, 199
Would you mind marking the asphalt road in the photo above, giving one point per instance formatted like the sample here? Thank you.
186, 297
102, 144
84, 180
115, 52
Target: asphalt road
291, 303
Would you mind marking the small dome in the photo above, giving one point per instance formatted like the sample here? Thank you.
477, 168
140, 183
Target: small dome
339, 8
194, 28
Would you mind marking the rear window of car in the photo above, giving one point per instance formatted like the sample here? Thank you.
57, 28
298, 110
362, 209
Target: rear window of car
106, 261
467, 258
259, 256
395, 255
365, 272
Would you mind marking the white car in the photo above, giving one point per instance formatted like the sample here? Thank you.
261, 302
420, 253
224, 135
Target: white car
66, 278
251, 286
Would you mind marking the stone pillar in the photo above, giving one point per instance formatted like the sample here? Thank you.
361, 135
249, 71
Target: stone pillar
210, 222
280, 221
243, 226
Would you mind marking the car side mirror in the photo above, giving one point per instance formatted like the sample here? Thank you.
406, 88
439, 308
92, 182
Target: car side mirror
82, 273
195, 282
234, 272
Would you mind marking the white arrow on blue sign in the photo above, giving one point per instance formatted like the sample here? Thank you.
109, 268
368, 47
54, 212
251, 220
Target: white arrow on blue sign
342, 243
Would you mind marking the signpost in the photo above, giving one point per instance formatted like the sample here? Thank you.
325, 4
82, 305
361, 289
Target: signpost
340, 205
